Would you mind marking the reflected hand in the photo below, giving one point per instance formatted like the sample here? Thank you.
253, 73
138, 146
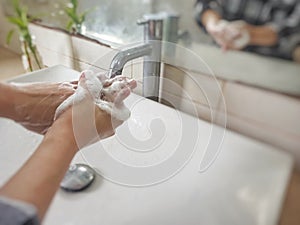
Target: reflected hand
229, 35
241, 35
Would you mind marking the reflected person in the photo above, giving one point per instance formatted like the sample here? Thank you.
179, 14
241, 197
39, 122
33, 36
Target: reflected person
266, 27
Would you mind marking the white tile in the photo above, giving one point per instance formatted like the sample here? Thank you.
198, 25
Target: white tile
80, 49
127, 70
188, 106
92, 53
51, 58
192, 58
52, 39
139, 89
274, 110
137, 69
202, 89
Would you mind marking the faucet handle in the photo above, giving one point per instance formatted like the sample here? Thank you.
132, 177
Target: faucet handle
142, 21
158, 17
153, 26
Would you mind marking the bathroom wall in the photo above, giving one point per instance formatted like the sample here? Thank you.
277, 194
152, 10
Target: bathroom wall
265, 115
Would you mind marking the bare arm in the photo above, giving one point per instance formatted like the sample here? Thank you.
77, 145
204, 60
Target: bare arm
38, 179
262, 35
33, 105
7, 99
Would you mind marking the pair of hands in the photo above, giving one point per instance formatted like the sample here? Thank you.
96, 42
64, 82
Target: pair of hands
233, 35
79, 124
36, 103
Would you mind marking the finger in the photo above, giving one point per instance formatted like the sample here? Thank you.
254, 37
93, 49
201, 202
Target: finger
132, 84
102, 77
82, 80
232, 33
111, 94
62, 93
66, 86
112, 80
124, 93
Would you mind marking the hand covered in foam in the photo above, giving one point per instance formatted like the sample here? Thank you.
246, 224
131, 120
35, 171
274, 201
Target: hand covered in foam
97, 107
108, 94
229, 35
241, 34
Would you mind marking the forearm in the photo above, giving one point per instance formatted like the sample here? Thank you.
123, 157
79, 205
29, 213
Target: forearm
39, 178
7, 99
262, 35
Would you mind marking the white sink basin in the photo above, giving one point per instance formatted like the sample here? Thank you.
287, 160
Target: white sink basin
150, 171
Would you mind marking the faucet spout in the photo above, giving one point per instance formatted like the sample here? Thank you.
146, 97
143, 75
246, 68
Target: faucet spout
150, 50
122, 57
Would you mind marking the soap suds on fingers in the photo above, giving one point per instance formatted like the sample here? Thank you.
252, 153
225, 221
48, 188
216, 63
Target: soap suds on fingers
107, 94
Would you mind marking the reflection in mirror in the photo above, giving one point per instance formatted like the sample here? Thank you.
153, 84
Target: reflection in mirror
112, 22
259, 38
266, 27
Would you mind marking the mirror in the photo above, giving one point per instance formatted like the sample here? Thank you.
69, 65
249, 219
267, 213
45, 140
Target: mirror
271, 66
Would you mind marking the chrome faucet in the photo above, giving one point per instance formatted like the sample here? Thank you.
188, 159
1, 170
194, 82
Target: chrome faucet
150, 50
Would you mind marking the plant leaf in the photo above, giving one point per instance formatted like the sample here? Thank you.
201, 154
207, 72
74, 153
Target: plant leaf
75, 4
81, 19
24, 17
71, 14
17, 7
69, 25
9, 36
17, 21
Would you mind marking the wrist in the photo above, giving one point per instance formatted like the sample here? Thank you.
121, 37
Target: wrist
62, 132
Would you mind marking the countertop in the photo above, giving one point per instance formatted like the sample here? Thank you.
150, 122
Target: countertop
238, 187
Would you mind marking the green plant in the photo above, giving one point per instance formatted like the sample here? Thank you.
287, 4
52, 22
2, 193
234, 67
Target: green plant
21, 21
76, 19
